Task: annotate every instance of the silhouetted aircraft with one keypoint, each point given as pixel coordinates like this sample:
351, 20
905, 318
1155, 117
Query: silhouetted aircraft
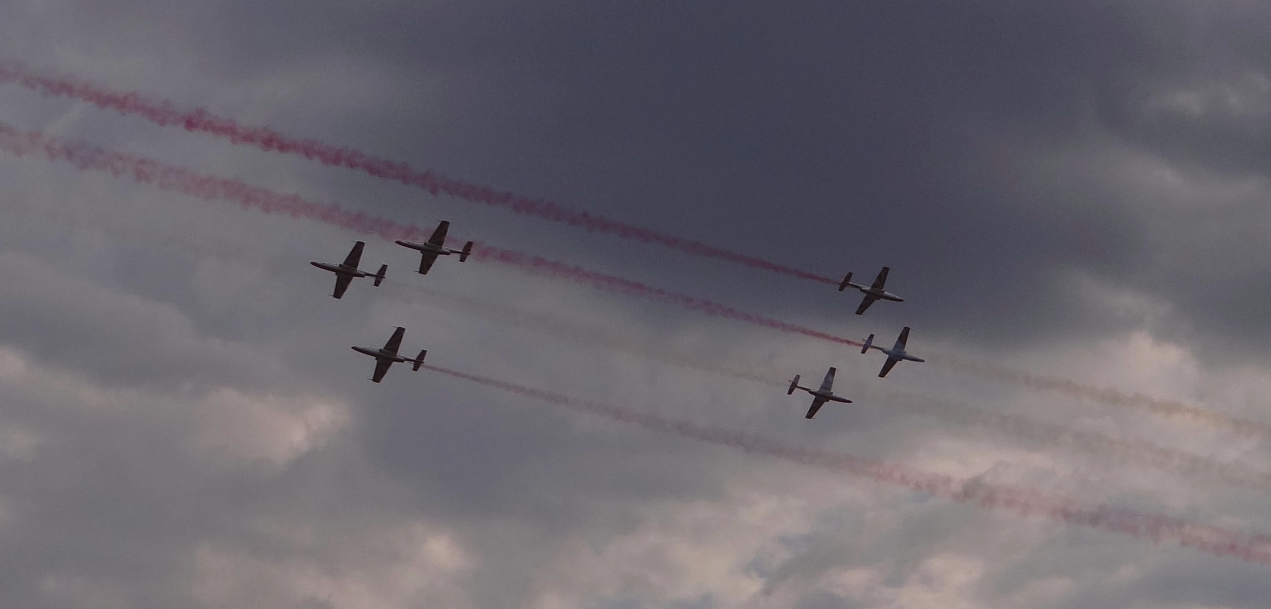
873, 292
388, 355
436, 246
819, 396
895, 354
347, 271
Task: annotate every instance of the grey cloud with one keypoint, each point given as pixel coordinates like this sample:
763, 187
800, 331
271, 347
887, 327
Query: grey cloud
124, 338
979, 149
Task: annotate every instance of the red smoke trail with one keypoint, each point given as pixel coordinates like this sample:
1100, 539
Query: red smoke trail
164, 112
1011, 499
1034, 433
176, 179
1030, 432
551, 268
1108, 395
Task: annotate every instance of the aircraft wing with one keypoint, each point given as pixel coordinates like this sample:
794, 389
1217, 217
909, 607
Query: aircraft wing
425, 262
355, 255
902, 339
887, 366
828, 383
395, 340
817, 403
868, 300
381, 368
342, 282
881, 279
439, 236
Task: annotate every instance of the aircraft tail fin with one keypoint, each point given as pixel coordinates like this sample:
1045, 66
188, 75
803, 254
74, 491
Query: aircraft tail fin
379, 277
467, 251
847, 279
794, 384
419, 361
869, 342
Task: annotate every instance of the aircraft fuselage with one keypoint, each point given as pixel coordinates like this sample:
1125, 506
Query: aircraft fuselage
381, 354
879, 294
341, 269
900, 354
440, 250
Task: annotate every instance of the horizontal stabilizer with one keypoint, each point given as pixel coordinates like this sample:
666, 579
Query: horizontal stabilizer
419, 361
379, 277
847, 280
869, 342
794, 384
467, 251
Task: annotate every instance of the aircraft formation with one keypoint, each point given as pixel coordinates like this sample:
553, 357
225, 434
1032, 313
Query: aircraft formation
435, 246
897, 353
348, 270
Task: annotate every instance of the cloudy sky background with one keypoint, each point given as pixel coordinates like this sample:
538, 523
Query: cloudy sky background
1074, 190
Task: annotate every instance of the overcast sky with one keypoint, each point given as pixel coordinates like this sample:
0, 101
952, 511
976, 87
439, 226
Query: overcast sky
1074, 191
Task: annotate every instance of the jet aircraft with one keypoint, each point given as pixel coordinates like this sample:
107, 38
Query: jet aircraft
347, 271
872, 292
895, 354
388, 355
436, 246
819, 396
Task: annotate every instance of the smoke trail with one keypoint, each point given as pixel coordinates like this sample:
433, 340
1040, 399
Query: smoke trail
1010, 499
417, 294
176, 179
550, 268
1034, 433
1108, 395
570, 330
165, 113
210, 188
1020, 429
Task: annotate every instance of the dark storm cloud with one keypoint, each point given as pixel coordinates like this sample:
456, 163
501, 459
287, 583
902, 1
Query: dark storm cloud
832, 136
1194, 89
836, 137
977, 148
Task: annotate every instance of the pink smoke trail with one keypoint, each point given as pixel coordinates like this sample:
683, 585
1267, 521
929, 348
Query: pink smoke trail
542, 266
164, 112
1010, 499
1035, 433
1108, 395
1030, 432
176, 179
